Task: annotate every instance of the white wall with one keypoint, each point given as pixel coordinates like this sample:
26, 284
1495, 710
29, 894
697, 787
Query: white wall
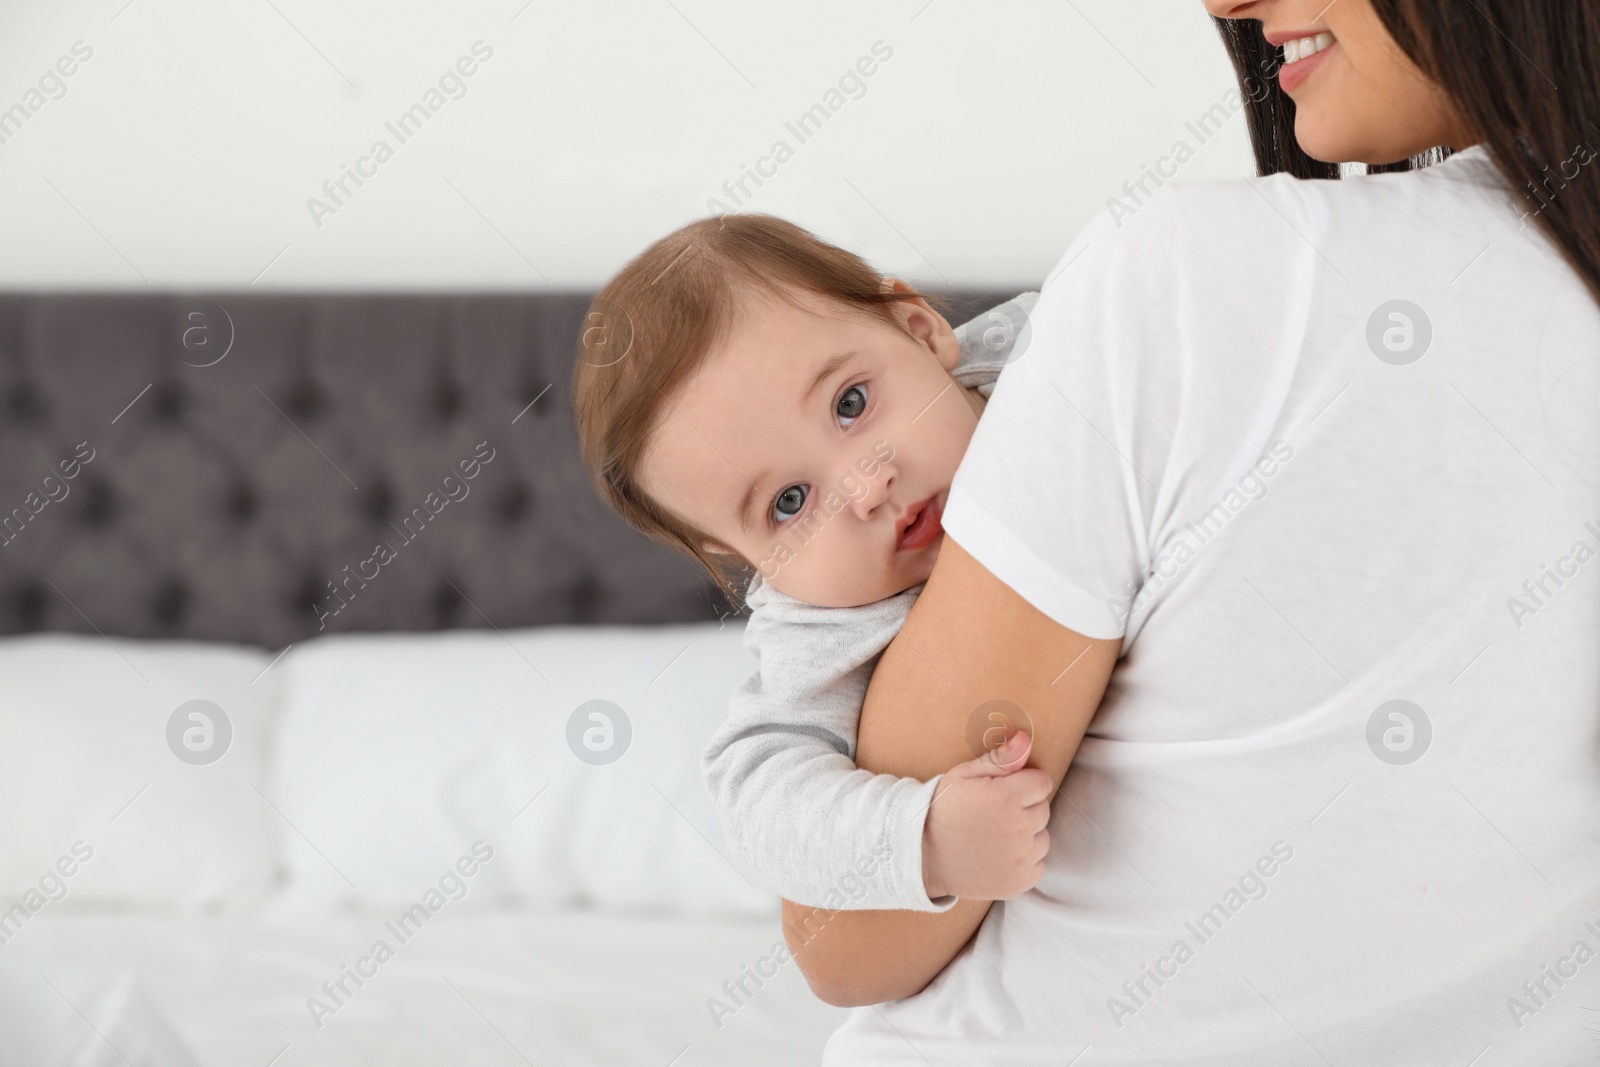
183, 152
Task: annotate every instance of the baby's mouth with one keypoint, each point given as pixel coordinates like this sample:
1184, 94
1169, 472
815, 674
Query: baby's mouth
924, 527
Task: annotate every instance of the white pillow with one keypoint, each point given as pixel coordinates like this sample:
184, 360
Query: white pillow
99, 807
400, 751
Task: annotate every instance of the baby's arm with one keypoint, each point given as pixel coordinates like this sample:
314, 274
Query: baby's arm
806, 823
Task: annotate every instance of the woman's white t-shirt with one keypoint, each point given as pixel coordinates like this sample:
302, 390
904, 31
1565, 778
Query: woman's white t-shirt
1327, 455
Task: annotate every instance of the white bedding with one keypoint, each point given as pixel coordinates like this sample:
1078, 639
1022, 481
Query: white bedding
151, 903
514, 986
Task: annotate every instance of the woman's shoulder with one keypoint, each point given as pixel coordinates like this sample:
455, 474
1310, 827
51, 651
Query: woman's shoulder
1209, 218
1256, 225
1196, 235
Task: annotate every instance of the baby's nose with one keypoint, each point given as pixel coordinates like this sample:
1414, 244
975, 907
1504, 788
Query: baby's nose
870, 493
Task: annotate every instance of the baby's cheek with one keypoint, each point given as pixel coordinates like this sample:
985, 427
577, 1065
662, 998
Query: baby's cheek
923, 567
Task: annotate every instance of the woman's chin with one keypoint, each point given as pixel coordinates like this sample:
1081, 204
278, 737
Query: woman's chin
1323, 140
1331, 138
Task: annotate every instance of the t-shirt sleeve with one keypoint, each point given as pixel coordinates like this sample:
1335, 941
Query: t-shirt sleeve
1154, 351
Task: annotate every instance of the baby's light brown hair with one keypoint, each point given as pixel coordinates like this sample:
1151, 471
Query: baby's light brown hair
652, 327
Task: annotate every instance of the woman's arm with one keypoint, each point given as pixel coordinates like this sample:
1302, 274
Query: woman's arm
969, 639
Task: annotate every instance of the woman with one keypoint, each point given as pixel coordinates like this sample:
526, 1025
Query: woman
1301, 476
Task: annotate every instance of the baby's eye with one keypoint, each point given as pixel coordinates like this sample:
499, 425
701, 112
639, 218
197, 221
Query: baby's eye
788, 504
852, 402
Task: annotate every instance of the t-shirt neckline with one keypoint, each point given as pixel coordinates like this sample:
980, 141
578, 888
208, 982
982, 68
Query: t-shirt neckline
1472, 151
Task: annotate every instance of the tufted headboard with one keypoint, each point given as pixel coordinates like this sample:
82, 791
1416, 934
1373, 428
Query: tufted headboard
262, 469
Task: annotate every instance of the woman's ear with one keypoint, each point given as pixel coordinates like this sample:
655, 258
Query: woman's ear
926, 325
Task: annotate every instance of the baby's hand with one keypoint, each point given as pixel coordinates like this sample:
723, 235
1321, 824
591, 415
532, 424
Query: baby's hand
985, 836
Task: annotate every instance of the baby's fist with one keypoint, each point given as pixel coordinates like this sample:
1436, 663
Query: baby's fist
985, 836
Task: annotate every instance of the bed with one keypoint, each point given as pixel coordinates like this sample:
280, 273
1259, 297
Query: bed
242, 747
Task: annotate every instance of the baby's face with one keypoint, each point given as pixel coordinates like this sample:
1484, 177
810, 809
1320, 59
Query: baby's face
810, 437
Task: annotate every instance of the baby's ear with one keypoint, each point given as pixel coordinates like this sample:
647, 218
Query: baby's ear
926, 325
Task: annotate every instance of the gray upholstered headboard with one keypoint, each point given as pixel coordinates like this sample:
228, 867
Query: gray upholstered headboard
225, 468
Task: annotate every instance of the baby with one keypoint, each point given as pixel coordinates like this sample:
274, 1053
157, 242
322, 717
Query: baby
758, 398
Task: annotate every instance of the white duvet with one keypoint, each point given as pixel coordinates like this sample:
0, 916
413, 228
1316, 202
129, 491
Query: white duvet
491, 987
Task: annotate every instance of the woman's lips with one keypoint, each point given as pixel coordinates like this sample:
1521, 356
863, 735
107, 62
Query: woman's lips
924, 529
1292, 75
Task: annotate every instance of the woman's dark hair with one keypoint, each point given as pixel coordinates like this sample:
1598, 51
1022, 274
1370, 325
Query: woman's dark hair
1498, 62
